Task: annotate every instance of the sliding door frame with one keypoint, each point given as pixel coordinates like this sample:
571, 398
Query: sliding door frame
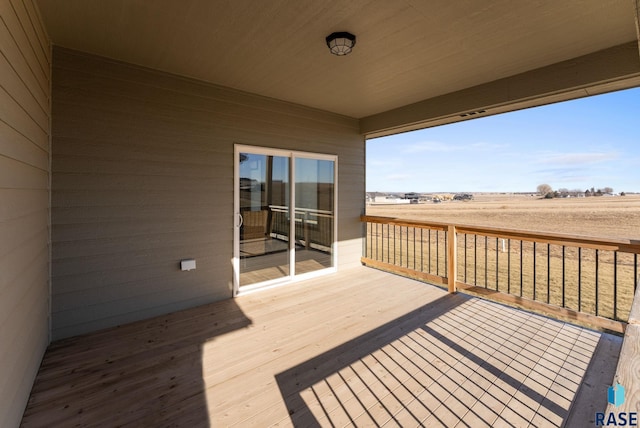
292, 155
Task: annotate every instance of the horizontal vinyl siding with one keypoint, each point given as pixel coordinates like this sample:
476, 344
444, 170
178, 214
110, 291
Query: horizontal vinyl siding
143, 177
25, 65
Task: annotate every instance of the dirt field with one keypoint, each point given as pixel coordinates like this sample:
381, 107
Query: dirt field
603, 217
552, 274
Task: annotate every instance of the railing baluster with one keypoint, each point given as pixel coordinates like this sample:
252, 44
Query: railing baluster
408, 255
452, 251
497, 263
370, 244
365, 244
388, 243
548, 273
521, 257
379, 251
382, 241
370, 228
563, 276
402, 252
486, 261
446, 253
400, 245
370, 233
408, 247
414, 248
429, 251
534, 270
615, 285
635, 273
579, 279
395, 239
475, 259
465, 257
596, 295
438, 252
509, 266
377, 241
421, 251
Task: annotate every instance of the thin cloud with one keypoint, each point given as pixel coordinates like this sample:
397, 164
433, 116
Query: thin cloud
384, 163
486, 147
575, 176
397, 177
440, 147
561, 171
431, 146
578, 158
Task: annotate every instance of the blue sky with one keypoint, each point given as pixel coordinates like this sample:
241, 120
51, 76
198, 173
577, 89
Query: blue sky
589, 142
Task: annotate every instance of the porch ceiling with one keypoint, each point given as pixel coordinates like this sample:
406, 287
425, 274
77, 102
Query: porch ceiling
407, 50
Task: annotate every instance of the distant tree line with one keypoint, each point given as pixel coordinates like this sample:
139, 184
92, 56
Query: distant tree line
546, 191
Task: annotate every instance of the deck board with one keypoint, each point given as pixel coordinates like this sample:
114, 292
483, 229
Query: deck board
357, 348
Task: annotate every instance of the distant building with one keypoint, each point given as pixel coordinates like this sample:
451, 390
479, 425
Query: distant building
412, 197
463, 197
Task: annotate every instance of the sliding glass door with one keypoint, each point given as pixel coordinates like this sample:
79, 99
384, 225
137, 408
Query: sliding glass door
285, 216
263, 218
314, 213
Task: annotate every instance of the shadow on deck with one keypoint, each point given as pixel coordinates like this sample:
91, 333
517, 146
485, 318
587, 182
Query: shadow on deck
457, 361
357, 348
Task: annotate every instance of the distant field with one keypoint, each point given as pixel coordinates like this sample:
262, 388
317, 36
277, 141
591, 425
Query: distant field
604, 217
551, 274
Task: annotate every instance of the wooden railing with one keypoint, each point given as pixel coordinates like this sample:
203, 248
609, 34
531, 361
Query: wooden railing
313, 228
628, 363
583, 279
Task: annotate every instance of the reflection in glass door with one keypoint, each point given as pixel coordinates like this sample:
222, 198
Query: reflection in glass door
314, 214
264, 217
269, 183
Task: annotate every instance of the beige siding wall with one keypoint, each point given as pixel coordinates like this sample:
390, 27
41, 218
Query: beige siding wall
143, 177
25, 69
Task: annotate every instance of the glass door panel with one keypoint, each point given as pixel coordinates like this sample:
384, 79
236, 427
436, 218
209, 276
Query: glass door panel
314, 214
273, 242
264, 218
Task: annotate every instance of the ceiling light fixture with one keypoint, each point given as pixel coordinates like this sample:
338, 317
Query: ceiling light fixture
341, 43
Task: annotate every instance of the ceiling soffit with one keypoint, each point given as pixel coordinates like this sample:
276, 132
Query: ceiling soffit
407, 51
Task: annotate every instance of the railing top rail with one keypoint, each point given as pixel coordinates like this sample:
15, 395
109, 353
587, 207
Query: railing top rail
622, 245
404, 222
301, 210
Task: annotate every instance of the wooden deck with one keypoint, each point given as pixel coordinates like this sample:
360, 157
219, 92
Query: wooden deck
356, 348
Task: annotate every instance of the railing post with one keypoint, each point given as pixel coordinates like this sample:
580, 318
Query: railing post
305, 229
452, 252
